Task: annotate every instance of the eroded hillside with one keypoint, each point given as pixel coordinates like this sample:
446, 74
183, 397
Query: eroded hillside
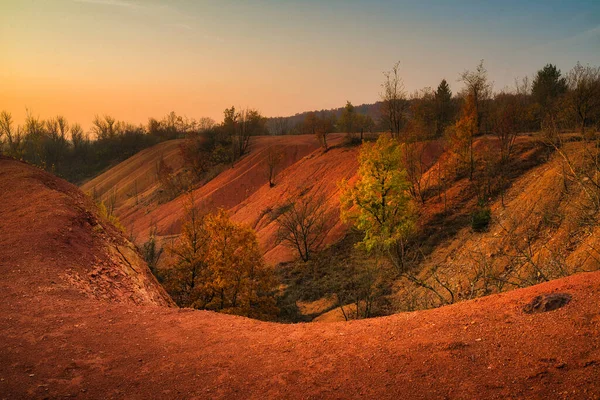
59, 339
538, 231
304, 169
53, 241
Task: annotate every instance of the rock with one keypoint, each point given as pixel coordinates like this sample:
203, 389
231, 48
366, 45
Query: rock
547, 302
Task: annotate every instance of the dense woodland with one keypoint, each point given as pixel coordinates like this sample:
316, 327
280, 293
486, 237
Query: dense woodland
388, 243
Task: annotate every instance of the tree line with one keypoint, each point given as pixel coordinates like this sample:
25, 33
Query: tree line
66, 150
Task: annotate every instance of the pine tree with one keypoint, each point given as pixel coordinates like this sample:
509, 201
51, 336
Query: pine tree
443, 102
548, 85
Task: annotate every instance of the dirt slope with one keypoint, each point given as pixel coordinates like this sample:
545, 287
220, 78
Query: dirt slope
53, 241
243, 190
58, 341
136, 175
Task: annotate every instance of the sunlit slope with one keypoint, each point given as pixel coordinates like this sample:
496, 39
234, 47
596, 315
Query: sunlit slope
134, 181
303, 169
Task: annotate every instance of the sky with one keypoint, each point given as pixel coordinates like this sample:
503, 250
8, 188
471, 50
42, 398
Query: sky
135, 59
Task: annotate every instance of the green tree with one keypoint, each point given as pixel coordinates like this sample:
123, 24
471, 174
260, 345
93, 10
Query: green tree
348, 118
548, 85
378, 202
443, 107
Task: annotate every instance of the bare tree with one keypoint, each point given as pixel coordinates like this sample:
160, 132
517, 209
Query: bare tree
110, 200
5, 127
478, 86
506, 122
584, 93
106, 127
311, 123
303, 225
325, 126
241, 126
414, 161
279, 126
394, 101
273, 160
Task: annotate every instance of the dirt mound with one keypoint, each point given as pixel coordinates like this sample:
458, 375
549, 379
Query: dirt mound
59, 342
53, 240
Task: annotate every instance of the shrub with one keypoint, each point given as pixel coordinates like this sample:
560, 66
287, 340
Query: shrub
480, 219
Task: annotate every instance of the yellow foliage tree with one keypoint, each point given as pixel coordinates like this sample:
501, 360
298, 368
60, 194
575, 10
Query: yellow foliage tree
379, 203
463, 133
218, 266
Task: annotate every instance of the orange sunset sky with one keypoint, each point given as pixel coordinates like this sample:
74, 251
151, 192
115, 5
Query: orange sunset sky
134, 59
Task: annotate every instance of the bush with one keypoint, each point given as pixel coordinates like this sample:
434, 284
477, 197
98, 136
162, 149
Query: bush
480, 219
351, 140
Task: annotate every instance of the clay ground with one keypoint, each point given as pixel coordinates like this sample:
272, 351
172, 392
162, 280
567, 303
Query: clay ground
106, 336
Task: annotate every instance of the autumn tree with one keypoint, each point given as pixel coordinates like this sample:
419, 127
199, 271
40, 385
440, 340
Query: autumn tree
463, 132
422, 123
241, 283
477, 90
378, 203
218, 266
393, 99
303, 225
188, 279
583, 99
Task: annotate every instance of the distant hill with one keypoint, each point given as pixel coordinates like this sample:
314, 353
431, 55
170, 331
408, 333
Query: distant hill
292, 124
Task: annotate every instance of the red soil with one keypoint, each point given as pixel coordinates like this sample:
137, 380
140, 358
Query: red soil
87, 338
243, 189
